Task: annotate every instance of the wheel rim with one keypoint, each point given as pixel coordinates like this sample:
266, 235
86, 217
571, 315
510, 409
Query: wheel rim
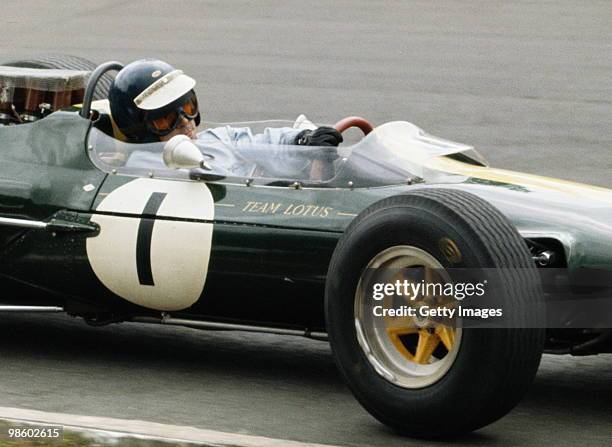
409, 352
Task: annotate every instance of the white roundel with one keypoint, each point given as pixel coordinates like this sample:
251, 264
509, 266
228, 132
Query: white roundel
148, 255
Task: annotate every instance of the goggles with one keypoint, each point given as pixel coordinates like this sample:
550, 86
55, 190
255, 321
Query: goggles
163, 123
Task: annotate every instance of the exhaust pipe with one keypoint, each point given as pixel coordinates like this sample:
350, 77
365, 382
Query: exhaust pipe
48, 309
215, 325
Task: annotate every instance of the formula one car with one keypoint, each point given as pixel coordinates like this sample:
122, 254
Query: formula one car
110, 231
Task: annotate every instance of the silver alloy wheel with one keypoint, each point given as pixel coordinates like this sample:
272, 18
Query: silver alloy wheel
433, 347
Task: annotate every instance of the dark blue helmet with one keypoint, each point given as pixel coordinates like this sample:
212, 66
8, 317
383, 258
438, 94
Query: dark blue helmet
145, 90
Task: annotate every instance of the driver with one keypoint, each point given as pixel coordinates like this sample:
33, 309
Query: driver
151, 101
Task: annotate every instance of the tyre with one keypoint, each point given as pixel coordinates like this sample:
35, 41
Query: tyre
439, 381
66, 62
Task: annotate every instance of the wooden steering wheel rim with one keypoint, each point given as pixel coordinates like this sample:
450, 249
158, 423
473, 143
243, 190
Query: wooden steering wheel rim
354, 121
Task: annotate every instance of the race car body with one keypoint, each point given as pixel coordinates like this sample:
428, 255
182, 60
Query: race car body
270, 241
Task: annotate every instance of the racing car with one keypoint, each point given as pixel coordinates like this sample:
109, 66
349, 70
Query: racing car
110, 231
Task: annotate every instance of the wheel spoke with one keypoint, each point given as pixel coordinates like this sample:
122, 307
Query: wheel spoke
428, 342
399, 345
447, 336
397, 326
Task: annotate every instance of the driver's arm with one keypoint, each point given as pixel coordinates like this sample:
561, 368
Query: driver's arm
320, 165
328, 138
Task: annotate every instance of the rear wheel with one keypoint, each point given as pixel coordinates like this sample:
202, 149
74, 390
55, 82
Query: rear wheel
67, 62
435, 381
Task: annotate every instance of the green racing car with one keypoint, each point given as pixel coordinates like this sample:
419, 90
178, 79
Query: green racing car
110, 231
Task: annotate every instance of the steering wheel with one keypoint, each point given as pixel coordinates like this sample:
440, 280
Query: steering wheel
354, 121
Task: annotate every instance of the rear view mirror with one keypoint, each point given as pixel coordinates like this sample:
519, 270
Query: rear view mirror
181, 153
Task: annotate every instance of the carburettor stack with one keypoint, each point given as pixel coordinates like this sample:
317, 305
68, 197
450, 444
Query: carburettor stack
28, 94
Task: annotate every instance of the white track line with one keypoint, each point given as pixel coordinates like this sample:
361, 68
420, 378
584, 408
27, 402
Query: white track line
154, 430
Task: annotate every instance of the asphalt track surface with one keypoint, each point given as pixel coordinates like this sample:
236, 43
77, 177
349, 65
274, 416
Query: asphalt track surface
528, 83
266, 385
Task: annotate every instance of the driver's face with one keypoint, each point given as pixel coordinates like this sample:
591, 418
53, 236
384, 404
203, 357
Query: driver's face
185, 127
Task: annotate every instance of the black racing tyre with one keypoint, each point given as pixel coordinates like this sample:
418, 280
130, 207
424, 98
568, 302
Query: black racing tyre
67, 62
479, 374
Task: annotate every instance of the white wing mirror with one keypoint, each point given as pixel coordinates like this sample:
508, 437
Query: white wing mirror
181, 153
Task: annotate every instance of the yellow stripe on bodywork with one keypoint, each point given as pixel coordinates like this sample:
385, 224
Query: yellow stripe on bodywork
451, 166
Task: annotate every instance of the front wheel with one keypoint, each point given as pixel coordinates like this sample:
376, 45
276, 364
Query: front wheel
432, 381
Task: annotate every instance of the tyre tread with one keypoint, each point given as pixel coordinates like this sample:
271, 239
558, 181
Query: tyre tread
67, 62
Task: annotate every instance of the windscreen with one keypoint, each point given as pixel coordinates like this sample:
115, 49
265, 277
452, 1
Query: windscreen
233, 155
263, 153
400, 152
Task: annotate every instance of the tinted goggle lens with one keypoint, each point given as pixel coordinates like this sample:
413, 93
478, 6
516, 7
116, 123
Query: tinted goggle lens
169, 121
165, 122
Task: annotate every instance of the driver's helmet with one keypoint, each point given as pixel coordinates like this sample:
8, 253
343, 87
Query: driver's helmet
148, 97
